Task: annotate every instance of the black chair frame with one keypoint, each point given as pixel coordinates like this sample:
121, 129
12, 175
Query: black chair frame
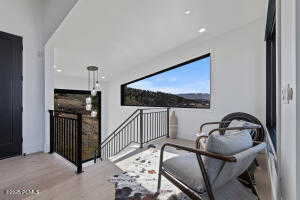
199, 153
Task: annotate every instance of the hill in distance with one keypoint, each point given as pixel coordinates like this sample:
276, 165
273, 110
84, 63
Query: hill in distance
195, 96
138, 97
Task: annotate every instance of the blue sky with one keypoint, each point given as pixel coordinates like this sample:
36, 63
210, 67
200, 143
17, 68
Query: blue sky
190, 78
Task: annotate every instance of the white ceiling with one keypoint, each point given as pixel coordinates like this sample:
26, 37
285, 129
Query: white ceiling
120, 34
54, 13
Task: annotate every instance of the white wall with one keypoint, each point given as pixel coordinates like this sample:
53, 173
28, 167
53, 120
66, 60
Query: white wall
289, 138
23, 18
69, 82
298, 92
238, 78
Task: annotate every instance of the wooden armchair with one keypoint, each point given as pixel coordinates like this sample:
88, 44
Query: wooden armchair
213, 174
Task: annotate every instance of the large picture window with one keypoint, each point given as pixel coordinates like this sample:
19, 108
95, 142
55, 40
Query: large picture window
186, 85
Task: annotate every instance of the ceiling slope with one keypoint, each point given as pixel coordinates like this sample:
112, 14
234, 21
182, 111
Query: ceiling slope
54, 12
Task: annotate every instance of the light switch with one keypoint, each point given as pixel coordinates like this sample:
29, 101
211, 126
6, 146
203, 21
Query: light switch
290, 93
287, 94
283, 95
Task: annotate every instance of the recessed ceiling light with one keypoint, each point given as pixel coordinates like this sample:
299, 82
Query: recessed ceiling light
202, 30
187, 12
59, 70
103, 77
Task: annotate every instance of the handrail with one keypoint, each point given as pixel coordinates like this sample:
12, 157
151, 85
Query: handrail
155, 108
115, 133
124, 122
140, 127
67, 112
67, 117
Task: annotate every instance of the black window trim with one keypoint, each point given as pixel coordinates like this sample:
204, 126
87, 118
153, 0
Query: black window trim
165, 70
271, 89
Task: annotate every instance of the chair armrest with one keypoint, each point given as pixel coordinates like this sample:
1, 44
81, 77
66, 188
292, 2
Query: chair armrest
198, 141
203, 135
222, 130
212, 123
199, 152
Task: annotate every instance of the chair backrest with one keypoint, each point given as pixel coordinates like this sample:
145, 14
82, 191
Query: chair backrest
260, 134
239, 144
252, 132
244, 124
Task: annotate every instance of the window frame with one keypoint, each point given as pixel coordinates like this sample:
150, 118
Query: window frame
271, 73
166, 70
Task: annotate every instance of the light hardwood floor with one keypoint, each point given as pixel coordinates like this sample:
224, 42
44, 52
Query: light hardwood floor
56, 179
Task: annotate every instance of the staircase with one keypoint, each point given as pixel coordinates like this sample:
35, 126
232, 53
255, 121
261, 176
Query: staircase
142, 126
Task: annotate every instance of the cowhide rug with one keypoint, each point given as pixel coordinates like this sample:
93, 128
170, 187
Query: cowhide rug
139, 178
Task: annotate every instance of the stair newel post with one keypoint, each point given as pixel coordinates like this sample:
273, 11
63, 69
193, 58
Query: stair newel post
99, 148
51, 131
168, 122
79, 143
141, 127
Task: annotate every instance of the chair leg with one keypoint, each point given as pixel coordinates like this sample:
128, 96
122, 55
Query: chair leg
252, 184
160, 169
256, 163
159, 182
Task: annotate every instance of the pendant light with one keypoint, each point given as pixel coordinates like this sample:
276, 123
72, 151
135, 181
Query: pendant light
93, 86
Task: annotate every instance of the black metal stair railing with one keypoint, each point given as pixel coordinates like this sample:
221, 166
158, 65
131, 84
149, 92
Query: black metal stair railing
66, 136
142, 126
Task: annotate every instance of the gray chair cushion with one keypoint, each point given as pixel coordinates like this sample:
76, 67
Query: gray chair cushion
226, 145
186, 169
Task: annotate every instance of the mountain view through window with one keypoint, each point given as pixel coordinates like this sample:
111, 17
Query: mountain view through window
186, 85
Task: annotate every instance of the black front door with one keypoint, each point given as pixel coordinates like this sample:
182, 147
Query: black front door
10, 95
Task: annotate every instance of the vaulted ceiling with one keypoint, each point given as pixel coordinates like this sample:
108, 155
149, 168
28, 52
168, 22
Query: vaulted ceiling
54, 13
121, 34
